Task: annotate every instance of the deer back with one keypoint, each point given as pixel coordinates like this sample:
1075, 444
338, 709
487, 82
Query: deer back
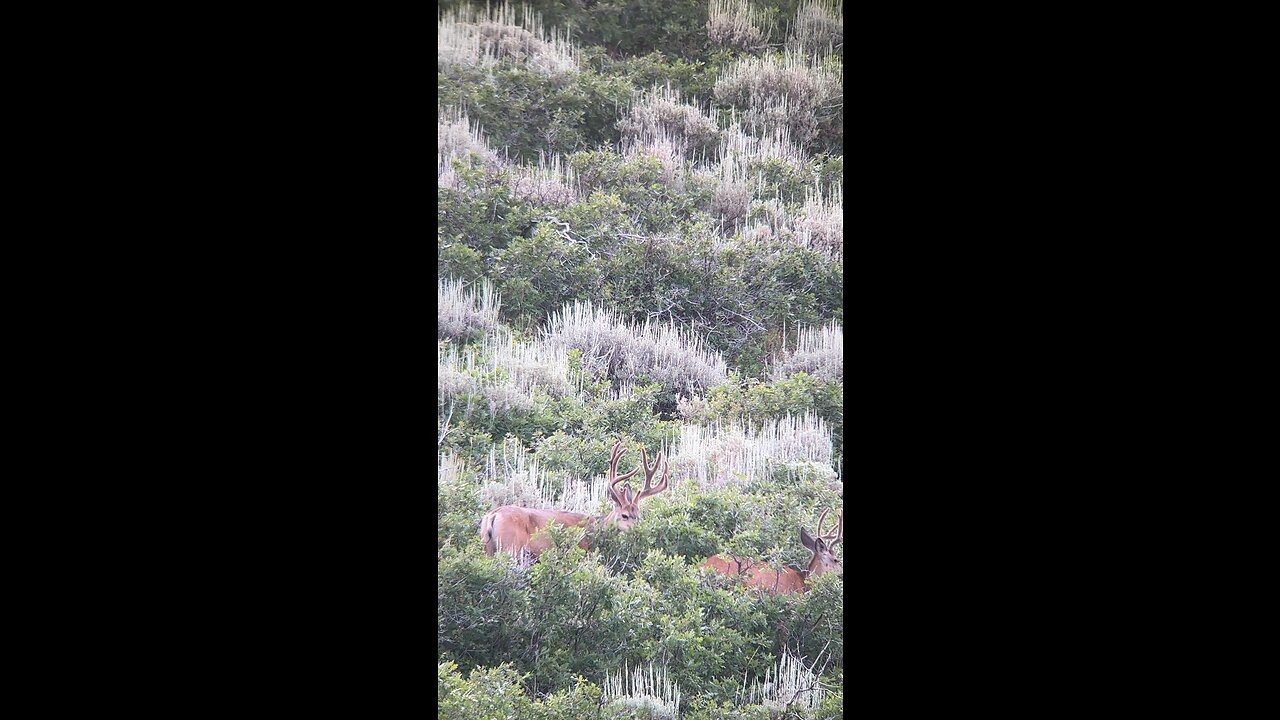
517, 530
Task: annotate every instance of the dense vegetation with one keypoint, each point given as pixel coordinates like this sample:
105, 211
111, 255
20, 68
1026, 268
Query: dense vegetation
640, 238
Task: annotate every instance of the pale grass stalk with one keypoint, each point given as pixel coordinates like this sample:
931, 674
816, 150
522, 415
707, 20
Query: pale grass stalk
790, 683
464, 309
818, 351
467, 37
736, 24
647, 690
627, 351
739, 453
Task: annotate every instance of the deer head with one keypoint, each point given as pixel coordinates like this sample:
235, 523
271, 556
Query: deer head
626, 504
823, 547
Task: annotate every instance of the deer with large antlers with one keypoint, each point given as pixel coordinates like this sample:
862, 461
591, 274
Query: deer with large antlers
789, 580
517, 530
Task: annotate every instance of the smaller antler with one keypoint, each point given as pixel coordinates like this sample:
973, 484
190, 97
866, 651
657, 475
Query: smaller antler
649, 472
833, 537
614, 477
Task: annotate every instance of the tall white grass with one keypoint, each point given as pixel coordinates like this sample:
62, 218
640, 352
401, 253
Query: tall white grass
626, 351
818, 351
731, 198
663, 112
528, 364
736, 24
736, 185
550, 182
662, 145
774, 144
648, 690
458, 137
820, 224
790, 683
465, 309
454, 371
507, 373
510, 478
513, 477
472, 38
661, 124
779, 89
724, 454
582, 496
818, 25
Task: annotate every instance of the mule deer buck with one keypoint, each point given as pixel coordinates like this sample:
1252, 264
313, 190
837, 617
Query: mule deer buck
789, 580
517, 530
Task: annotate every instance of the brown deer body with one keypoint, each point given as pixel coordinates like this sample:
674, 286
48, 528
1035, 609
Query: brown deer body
518, 530
787, 580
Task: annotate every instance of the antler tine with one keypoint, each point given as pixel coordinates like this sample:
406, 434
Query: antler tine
840, 528
614, 477
649, 472
821, 518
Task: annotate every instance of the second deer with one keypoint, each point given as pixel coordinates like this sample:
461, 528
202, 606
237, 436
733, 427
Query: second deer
789, 580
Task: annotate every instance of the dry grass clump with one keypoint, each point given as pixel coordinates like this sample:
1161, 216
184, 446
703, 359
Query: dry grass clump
819, 351
789, 684
649, 692
731, 198
548, 183
458, 138
774, 144
735, 24
781, 90
665, 148
514, 478
528, 365
470, 38
821, 222
465, 310
740, 453
502, 372
818, 26
454, 371
626, 351
817, 225
663, 124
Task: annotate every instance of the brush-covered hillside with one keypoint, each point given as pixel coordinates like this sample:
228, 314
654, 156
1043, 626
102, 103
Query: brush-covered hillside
640, 240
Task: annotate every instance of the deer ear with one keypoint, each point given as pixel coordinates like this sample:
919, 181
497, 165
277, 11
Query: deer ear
807, 540
629, 493
613, 496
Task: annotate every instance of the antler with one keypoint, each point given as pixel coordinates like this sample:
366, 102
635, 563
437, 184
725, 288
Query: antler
614, 478
649, 472
834, 537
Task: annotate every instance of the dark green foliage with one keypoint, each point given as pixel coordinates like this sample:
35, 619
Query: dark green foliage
635, 245
575, 614
754, 400
530, 113
639, 596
